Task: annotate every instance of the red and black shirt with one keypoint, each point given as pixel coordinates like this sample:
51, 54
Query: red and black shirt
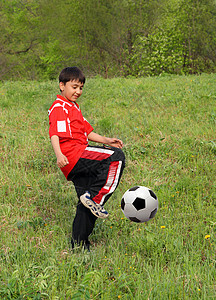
67, 122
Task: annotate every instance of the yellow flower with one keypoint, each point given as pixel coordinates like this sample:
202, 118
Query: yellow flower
119, 297
162, 227
207, 236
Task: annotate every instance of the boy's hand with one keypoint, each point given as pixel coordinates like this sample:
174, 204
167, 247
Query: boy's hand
62, 160
113, 142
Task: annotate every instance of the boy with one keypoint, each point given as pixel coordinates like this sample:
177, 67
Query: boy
95, 171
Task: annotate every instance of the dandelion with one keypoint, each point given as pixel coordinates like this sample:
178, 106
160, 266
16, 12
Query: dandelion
207, 236
119, 297
162, 227
111, 227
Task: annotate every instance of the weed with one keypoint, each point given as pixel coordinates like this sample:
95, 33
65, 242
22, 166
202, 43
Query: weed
167, 125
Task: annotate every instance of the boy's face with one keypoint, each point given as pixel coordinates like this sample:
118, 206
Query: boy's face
72, 90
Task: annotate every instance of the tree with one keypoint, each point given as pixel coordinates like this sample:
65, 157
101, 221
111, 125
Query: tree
109, 37
19, 35
184, 42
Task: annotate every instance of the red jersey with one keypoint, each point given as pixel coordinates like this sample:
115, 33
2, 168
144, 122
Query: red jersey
67, 122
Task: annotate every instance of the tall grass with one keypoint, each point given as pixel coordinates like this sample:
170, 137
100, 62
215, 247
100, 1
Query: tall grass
168, 128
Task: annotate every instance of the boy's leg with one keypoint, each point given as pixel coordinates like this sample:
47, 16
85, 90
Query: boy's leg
111, 163
83, 225
98, 171
84, 220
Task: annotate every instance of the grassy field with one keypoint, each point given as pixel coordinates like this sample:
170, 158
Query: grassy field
168, 126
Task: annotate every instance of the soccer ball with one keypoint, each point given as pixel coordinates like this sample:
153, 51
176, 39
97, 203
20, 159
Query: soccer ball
139, 204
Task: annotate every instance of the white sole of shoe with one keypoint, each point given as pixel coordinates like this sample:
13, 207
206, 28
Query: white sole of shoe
94, 207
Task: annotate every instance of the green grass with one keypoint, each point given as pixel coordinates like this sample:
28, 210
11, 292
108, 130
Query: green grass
168, 126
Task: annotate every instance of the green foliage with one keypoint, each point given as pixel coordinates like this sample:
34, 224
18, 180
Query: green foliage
178, 45
110, 38
159, 52
50, 60
20, 32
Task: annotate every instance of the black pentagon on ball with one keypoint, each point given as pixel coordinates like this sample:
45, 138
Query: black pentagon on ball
134, 219
122, 204
153, 194
153, 213
139, 203
133, 188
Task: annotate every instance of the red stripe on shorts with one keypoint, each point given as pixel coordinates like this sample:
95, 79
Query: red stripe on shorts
111, 182
96, 153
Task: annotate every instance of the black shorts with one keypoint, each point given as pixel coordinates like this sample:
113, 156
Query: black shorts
98, 171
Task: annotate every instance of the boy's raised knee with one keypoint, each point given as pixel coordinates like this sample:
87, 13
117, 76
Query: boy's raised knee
119, 155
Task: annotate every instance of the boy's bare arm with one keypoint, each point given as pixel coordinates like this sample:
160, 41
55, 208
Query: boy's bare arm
61, 158
114, 142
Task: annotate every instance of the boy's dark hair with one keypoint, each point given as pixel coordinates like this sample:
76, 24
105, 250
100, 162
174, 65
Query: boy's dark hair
70, 74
